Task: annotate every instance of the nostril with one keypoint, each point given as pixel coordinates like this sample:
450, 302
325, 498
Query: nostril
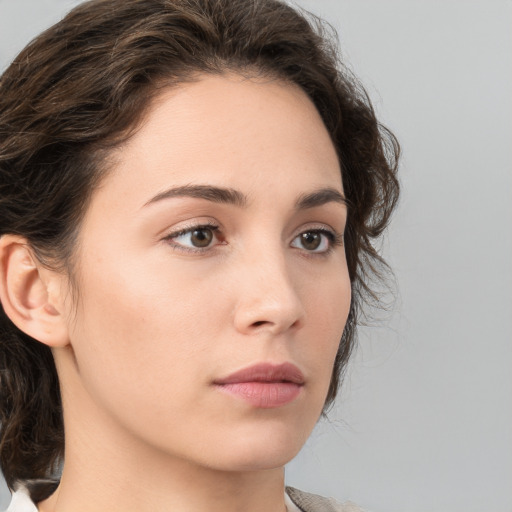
258, 323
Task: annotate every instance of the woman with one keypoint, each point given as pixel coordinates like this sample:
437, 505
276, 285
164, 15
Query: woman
190, 190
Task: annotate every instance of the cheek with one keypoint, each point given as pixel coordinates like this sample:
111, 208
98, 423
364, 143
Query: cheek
141, 338
327, 305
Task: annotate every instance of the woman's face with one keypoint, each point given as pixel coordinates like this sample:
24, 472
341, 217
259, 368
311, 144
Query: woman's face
214, 245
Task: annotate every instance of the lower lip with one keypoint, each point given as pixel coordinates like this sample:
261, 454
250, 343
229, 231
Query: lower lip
265, 395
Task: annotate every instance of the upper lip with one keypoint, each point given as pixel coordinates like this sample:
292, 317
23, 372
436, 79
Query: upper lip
265, 372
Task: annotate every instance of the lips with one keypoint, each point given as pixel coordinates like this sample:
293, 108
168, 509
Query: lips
264, 385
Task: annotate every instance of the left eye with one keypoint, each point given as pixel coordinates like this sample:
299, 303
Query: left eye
314, 240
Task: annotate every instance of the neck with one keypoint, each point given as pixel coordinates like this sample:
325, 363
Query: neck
177, 488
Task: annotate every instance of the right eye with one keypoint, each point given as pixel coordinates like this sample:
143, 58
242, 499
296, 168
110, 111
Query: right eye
195, 238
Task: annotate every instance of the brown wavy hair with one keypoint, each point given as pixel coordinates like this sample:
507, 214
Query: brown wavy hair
80, 89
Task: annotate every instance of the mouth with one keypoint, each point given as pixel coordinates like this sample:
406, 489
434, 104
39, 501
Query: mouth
264, 385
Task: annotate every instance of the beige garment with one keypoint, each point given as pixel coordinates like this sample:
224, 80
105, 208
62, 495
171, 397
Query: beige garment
313, 503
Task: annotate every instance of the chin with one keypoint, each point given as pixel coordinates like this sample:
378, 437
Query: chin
261, 460
261, 449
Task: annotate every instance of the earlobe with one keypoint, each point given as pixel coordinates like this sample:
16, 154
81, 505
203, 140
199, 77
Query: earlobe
25, 293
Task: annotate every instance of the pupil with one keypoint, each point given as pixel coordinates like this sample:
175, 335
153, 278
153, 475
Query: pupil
202, 237
311, 241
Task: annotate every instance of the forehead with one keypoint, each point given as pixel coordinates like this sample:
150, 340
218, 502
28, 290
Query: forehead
227, 129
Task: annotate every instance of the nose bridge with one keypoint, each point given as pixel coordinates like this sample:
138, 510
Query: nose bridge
268, 295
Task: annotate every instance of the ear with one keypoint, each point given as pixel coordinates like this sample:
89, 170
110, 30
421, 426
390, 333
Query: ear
31, 294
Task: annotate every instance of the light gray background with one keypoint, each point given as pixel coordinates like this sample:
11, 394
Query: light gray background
425, 419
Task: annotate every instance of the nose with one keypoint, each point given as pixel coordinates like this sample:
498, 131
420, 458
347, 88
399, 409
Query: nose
267, 298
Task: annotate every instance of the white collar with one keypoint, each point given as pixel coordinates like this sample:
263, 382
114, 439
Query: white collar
21, 502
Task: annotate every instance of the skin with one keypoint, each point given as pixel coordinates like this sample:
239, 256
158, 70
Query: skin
157, 322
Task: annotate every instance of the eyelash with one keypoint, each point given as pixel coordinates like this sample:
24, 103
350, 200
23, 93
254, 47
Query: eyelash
335, 239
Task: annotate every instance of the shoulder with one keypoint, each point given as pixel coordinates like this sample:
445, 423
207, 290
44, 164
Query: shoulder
308, 502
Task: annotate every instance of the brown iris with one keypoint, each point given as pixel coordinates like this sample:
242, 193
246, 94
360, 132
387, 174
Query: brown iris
311, 240
201, 237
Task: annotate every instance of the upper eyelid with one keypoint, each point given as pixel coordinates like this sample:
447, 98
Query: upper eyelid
335, 237
313, 226
214, 226
190, 227
184, 231
320, 226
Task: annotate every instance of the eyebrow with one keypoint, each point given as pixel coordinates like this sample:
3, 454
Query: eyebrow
235, 197
320, 197
208, 192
